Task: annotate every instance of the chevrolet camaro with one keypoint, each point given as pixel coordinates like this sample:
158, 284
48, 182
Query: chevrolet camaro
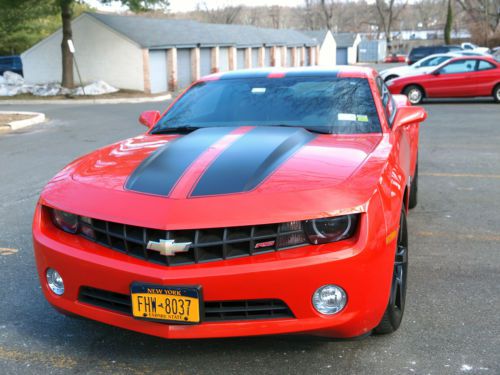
266, 201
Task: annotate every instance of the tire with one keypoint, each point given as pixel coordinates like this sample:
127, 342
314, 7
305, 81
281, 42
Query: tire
412, 201
396, 306
388, 78
496, 93
414, 93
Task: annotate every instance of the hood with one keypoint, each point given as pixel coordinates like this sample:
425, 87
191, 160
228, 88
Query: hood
423, 70
398, 70
270, 171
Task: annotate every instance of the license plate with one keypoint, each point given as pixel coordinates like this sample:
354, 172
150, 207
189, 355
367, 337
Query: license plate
175, 304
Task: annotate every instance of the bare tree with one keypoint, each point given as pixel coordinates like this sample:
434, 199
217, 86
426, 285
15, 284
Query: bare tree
483, 17
328, 7
275, 15
389, 11
225, 14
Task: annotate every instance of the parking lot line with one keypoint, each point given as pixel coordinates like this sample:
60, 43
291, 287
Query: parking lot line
470, 175
7, 251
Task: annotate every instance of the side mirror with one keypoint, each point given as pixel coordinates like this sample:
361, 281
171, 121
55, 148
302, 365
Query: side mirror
149, 118
408, 115
436, 72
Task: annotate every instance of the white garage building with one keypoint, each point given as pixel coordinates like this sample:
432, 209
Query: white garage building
327, 46
347, 47
155, 55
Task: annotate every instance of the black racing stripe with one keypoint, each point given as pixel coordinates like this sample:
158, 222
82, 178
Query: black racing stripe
159, 172
249, 160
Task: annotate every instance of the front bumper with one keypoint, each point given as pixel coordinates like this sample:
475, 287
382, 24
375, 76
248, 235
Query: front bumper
362, 266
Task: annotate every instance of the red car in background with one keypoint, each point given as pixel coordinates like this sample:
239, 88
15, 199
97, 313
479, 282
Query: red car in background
261, 202
460, 77
395, 58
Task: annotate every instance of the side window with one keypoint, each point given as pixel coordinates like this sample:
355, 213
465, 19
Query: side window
484, 65
460, 66
387, 101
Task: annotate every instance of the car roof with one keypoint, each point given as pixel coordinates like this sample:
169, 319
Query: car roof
278, 72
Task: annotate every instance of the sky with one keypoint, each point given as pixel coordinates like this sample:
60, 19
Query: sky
187, 5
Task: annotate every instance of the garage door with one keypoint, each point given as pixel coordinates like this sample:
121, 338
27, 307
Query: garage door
341, 56
158, 71
224, 59
267, 58
289, 56
255, 57
184, 67
240, 58
205, 61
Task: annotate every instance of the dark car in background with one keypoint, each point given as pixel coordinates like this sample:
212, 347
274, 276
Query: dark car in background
11, 64
418, 53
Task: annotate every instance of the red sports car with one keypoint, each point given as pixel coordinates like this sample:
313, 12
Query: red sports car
261, 202
460, 77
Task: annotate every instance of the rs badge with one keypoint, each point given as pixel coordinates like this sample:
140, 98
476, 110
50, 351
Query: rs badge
168, 247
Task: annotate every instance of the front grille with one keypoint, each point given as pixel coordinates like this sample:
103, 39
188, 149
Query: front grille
214, 311
206, 244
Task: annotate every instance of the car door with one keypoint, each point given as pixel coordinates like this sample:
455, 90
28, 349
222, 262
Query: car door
453, 79
484, 77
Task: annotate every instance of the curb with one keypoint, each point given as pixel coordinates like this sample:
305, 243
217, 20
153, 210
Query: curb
15, 125
89, 101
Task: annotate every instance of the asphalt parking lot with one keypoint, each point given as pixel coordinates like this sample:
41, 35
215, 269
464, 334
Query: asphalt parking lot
452, 322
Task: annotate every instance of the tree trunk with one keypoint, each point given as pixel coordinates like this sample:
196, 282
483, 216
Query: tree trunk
67, 56
449, 24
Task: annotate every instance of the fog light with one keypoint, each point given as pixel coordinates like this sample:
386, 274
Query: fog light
329, 299
55, 281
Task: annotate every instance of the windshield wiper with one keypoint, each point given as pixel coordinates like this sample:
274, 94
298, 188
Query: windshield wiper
183, 129
312, 130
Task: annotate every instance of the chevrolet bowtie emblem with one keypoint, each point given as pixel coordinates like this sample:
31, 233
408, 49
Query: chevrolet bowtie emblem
168, 247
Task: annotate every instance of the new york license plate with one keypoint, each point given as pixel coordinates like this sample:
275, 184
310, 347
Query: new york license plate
175, 304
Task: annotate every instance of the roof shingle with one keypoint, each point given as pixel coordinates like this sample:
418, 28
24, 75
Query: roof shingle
164, 33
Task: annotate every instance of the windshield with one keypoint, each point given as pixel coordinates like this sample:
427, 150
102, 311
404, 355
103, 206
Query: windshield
319, 104
432, 61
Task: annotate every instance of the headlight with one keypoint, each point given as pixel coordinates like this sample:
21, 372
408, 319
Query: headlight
331, 229
65, 221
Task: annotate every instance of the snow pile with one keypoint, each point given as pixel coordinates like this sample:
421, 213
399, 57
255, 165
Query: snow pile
12, 84
95, 88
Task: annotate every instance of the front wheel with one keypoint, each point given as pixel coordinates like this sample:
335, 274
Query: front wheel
395, 308
414, 94
496, 93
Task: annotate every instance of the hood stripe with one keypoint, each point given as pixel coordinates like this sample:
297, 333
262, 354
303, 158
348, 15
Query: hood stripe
249, 160
159, 173
190, 178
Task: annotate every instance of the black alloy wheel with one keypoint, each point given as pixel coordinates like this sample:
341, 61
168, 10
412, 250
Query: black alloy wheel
395, 308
